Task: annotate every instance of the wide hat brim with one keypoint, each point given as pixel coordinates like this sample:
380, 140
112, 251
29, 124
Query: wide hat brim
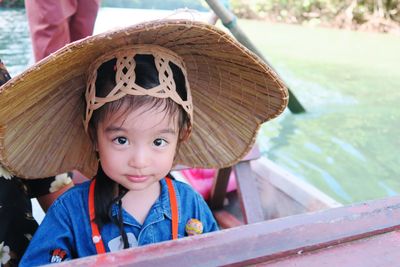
233, 91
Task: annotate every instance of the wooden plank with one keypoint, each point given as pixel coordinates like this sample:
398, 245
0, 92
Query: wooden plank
226, 219
248, 193
276, 203
378, 250
220, 184
268, 240
219, 187
300, 191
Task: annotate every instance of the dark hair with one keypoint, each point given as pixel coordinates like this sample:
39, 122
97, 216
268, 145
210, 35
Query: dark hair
146, 77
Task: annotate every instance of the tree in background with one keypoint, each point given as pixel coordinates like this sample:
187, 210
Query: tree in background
381, 15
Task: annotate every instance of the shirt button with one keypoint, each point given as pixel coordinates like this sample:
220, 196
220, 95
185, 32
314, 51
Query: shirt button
96, 239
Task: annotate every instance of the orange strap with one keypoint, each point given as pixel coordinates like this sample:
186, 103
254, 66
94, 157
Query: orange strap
174, 208
96, 237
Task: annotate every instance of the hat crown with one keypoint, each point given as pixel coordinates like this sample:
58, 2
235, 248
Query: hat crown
125, 78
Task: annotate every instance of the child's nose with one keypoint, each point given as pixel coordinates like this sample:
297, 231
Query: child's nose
139, 158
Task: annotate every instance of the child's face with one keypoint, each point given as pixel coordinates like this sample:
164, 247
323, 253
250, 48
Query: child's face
137, 149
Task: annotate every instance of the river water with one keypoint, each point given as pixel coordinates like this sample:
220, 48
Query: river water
348, 141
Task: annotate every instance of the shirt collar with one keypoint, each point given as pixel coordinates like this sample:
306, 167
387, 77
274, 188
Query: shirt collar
160, 207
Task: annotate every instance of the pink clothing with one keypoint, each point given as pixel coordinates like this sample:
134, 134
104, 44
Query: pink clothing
202, 180
55, 23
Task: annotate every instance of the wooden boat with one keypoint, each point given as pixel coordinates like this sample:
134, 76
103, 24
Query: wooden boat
302, 227
283, 222
265, 191
365, 234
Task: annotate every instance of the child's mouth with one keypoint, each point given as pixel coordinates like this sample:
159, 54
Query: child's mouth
137, 178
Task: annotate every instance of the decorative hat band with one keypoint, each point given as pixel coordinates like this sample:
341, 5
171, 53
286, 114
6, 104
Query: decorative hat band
125, 78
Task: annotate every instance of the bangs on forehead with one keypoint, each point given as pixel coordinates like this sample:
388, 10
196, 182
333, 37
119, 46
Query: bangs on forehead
130, 103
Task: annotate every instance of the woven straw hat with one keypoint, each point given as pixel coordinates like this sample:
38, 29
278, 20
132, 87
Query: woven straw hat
233, 93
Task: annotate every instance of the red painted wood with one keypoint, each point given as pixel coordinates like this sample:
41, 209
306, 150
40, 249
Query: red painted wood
274, 240
226, 219
378, 250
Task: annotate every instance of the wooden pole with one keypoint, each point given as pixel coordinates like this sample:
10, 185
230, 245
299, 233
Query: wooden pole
229, 21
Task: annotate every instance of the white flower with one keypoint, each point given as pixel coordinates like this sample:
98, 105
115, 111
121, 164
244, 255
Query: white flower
60, 181
4, 173
4, 253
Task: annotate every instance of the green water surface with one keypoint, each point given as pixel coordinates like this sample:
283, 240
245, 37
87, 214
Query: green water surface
347, 143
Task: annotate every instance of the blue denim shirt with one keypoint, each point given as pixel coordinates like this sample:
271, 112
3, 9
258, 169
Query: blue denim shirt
66, 225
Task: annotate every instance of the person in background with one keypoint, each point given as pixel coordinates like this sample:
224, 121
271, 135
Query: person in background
54, 24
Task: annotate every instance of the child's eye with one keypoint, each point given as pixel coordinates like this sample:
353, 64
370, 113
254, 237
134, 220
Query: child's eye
120, 140
160, 142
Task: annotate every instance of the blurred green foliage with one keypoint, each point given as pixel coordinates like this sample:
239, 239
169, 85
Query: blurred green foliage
297, 11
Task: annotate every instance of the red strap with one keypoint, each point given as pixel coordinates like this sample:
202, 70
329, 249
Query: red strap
96, 237
174, 208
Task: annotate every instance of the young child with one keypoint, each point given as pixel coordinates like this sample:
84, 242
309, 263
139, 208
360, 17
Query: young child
157, 94
136, 136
